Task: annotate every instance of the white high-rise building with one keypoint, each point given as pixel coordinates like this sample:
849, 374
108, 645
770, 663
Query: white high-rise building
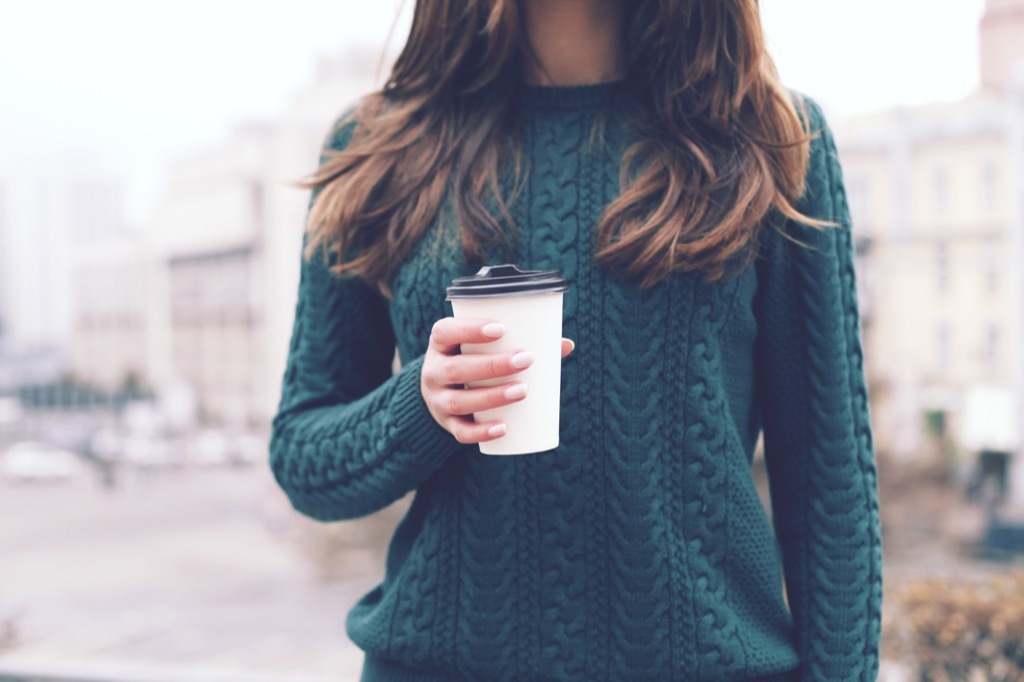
5, 283
208, 228
206, 296
118, 313
227, 230
47, 207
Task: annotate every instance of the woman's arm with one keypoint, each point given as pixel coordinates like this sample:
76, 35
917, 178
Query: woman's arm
817, 431
349, 438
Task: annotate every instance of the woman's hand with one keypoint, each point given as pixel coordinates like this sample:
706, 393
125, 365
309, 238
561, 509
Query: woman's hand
446, 371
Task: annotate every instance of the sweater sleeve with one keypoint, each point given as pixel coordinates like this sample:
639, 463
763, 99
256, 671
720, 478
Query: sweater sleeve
349, 437
817, 434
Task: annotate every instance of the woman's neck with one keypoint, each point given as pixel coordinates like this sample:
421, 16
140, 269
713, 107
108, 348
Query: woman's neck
572, 42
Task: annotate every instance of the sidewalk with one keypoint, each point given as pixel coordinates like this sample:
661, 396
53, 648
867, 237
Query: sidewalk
178, 578
14, 669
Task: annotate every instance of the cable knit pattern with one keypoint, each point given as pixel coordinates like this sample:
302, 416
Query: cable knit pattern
556, 226
599, 183
638, 550
817, 433
707, 486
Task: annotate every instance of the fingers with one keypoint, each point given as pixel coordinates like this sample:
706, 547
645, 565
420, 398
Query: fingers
446, 371
458, 406
466, 431
449, 332
456, 370
464, 402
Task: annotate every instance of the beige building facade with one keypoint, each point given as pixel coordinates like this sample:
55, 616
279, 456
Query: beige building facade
115, 324
204, 300
1002, 50
937, 195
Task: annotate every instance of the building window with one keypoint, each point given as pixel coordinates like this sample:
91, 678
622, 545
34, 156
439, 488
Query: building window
940, 190
992, 264
943, 345
942, 266
992, 346
989, 186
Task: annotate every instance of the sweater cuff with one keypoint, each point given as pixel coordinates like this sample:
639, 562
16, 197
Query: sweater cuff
416, 430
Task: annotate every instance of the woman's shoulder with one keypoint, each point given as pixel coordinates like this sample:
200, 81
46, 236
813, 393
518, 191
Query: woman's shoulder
340, 132
823, 161
356, 115
811, 113
822, 197
344, 126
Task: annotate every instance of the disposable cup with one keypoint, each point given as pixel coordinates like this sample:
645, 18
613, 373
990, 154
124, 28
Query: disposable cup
529, 304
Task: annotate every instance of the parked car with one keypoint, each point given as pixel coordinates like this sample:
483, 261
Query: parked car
247, 449
106, 445
210, 448
30, 461
149, 451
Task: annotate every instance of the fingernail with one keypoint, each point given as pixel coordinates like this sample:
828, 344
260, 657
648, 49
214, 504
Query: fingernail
572, 345
515, 391
522, 360
493, 329
497, 431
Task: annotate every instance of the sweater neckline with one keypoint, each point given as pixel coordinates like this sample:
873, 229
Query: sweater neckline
569, 97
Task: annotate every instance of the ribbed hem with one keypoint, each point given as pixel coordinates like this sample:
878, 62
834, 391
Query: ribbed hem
419, 433
573, 97
790, 676
381, 670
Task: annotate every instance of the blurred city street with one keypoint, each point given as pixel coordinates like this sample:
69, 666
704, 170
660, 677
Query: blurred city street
150, 240
207, 574
182, 570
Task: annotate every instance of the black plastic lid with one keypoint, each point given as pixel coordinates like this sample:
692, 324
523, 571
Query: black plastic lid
506, 280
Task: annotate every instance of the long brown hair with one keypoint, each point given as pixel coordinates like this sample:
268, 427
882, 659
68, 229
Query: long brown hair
720, 143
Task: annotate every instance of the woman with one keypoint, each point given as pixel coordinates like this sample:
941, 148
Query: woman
648, 152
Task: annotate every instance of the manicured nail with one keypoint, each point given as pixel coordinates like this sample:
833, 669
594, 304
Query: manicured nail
497, 431
522, 360
572, 345
515, 391
493, 329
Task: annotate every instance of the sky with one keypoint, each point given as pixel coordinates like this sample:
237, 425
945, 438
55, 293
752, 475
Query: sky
135, 83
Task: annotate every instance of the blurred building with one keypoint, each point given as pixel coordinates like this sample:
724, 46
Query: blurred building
227, 235
5, 284
47, 208
3, 249
937, 197
1002, 51
205, 298
336, 86
117, 319
209, 230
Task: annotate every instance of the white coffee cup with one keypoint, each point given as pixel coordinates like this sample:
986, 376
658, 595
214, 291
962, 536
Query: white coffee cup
529, 304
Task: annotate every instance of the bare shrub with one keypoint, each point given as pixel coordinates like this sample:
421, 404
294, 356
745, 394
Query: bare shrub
961, 629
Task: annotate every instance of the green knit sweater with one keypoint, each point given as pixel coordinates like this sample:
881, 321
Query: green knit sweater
639, 549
